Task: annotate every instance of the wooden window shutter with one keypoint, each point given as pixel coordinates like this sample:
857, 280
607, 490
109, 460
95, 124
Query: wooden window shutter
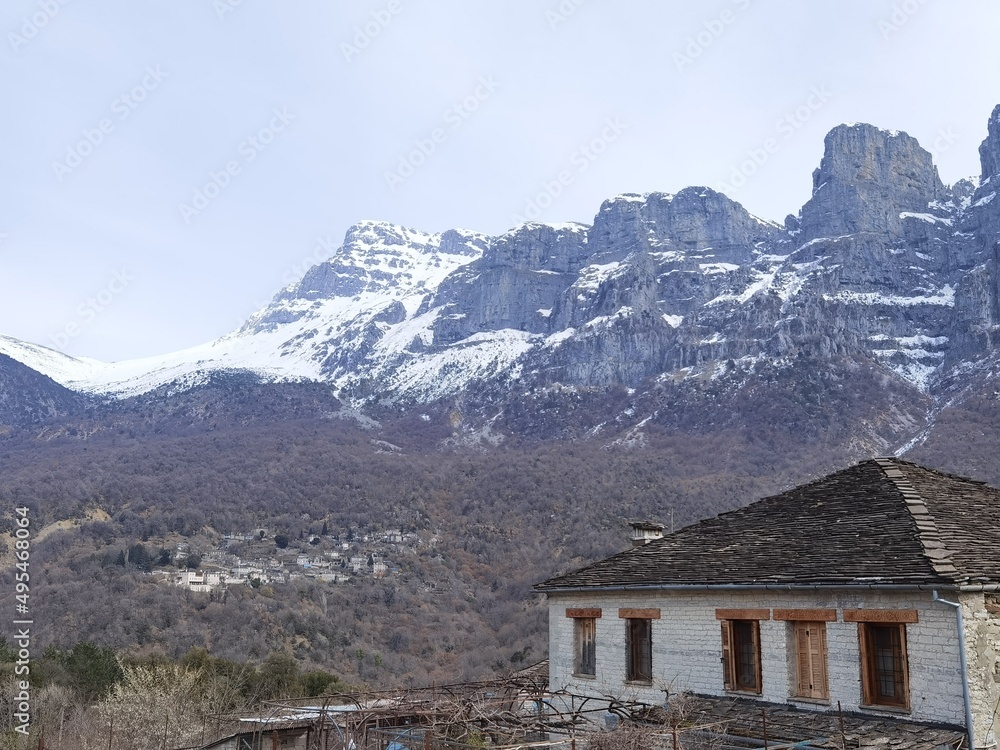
819, 657
811, 660
728, 666
902, 677
868, 691
646, 649
803, 661
755, 635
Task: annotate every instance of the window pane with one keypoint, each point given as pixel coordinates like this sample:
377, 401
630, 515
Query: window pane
586, 642
746, 655
887, 665
888, 661
639, 648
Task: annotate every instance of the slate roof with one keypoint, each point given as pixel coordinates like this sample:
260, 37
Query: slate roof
717, 717
788, 725
880, 522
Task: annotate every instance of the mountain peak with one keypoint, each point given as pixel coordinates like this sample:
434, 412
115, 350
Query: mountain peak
989, 151
690, 220
869, 176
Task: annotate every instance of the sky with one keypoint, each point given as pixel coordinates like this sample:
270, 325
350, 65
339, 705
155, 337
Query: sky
169, 165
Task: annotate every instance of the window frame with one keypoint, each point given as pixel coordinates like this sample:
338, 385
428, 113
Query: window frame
871, 662
578, 614
734, 653
637, 613
585, 647
639, 650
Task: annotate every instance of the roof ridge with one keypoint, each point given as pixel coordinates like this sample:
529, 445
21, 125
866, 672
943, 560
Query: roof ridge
935, 550
938, 472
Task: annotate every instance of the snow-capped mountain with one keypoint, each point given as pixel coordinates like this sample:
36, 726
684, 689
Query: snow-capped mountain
381, 273
884, 265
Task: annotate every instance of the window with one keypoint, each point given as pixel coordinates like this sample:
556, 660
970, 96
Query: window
585, 646
584, 639
741, 655
884, 677
639, 650
639, 642
810, 660
882, 641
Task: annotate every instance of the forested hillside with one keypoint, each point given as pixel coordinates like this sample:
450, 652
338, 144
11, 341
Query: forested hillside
491, 518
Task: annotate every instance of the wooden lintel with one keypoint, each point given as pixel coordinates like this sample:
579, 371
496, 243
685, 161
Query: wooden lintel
880, 615
806, 615
627, 613
583, 612
742, 614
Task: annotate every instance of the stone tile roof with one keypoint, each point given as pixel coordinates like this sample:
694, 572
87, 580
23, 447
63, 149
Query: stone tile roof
725, 718
715, 718
880, 522
536, 676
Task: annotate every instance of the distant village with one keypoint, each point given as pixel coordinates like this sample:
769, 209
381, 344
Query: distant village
257, 558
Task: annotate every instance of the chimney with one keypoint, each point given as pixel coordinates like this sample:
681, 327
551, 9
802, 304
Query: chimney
644, 532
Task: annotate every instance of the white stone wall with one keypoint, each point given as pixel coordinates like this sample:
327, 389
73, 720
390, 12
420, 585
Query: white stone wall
687, 647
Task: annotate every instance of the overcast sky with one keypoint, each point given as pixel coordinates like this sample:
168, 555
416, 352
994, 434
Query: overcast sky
170, 164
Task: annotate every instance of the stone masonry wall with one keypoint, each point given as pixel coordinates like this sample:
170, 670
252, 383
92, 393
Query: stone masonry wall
982, 637
687, 647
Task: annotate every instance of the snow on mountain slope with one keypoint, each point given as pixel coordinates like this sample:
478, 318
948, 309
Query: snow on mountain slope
58, 366
260, 354
447, 371
381, 274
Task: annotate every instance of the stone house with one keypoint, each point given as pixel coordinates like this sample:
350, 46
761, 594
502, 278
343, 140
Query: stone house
198, 580
279, 734
875, 589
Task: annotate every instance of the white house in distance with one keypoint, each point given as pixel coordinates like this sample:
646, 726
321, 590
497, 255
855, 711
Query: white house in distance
198, 580
876, 588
